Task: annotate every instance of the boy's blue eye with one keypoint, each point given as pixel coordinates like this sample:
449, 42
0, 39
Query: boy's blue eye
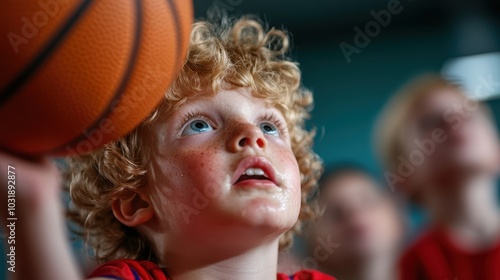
269, 128
196, 127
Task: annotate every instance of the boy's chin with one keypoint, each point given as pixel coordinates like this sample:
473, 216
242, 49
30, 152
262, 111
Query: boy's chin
241, 226
261, 213
266, 212
469, 160
259, 230
467, 167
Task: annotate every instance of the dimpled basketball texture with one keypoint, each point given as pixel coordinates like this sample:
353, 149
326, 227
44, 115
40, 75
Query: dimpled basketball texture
78, 74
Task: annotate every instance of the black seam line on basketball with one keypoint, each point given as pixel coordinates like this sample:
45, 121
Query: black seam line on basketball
180, 44
124, 82
44, 54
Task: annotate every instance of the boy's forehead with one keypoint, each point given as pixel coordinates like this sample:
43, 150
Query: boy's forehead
350, 186
449, 99
436, 101
237, 98
444, 96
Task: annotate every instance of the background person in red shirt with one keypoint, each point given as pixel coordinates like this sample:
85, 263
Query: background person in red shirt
363, 219
442, 150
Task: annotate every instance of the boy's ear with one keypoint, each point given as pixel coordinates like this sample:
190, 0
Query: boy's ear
133, 209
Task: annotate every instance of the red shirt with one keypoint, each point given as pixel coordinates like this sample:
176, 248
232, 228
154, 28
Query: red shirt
435, 257
146, 270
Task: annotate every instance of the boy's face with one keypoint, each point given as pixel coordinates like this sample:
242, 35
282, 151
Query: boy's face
470, 138
358, 217
225, 168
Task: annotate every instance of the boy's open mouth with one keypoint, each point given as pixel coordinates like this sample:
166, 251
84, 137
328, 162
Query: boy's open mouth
253, 174
255, 171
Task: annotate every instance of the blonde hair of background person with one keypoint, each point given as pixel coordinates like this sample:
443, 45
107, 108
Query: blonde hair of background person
441, 149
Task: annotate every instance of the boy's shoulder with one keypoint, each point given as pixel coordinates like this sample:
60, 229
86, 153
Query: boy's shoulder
435, 241
130, 269
146, 270
433, 253
426, 240
424, 249
306, 275
424, 255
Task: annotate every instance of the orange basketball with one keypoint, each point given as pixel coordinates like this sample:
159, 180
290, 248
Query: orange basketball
77, 74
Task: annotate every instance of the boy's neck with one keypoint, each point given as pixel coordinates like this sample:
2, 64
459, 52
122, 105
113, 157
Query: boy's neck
470, 213
256, 264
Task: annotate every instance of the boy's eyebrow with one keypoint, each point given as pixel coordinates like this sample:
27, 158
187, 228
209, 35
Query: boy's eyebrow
193, 104
197, 99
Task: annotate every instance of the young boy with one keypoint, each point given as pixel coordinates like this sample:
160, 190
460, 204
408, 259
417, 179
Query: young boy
208, 187
442, 150
363, 220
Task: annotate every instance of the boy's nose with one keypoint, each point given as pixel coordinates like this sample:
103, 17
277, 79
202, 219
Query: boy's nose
247, 136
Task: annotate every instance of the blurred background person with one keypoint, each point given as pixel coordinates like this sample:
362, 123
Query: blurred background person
362, 219
442, 150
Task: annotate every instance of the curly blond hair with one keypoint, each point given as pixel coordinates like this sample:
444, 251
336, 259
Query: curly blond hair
393, 119
231, 55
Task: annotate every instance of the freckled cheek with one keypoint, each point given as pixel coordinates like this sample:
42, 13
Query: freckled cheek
297, 188
198, 162
291, 174
285, 159
191, 177
201, 168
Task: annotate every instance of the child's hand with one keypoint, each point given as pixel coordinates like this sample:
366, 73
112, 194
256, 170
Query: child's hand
31, 183
34, 213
